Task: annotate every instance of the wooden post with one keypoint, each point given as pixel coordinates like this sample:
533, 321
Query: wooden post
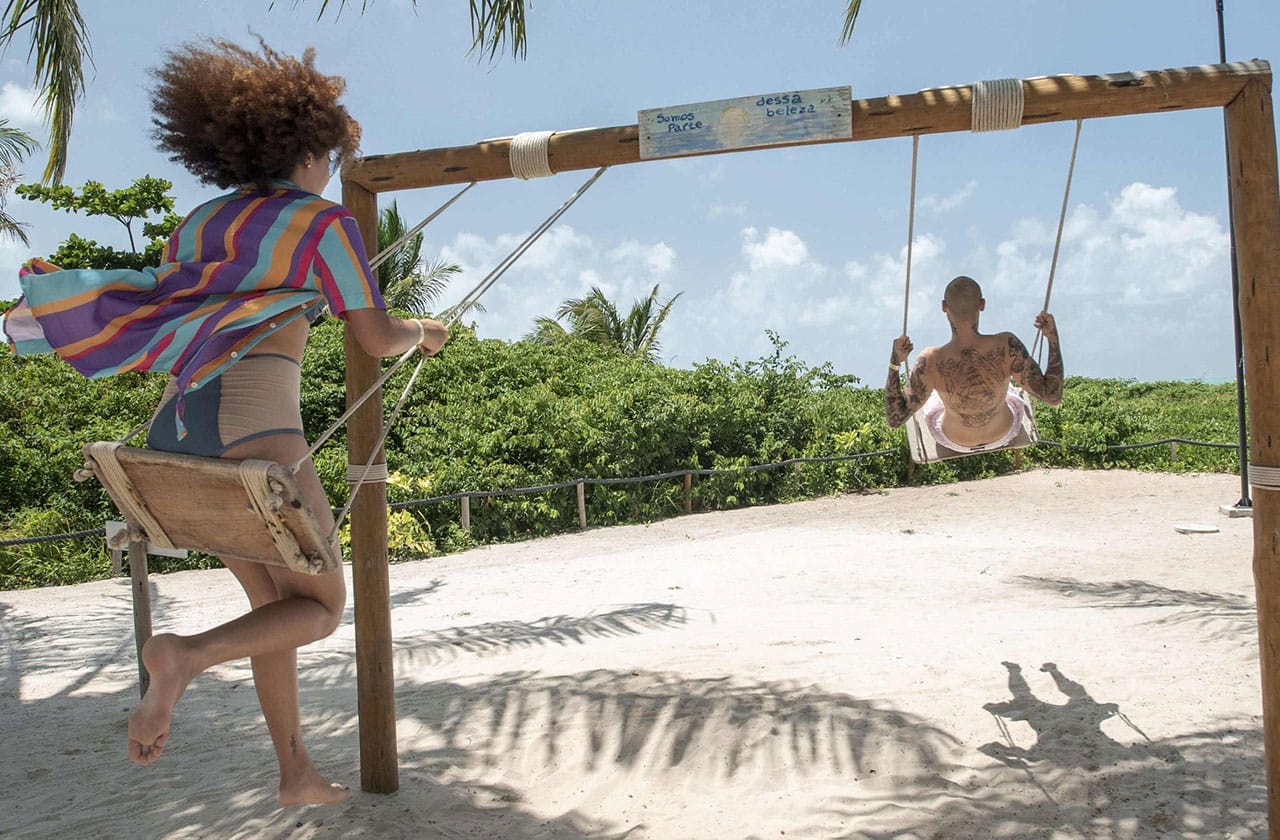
375, 680
688, 491
911, 470
1251, 151
464, 515
1017, 459
1173, 450
141, 585
117, 562
582, 505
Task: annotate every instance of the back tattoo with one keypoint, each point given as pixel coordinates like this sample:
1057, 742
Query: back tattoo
977, 383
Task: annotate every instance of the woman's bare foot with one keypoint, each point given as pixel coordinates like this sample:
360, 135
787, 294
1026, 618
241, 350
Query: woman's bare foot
310, 788
149, 724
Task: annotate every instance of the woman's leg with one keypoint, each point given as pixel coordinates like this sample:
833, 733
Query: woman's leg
289, 610
275, 677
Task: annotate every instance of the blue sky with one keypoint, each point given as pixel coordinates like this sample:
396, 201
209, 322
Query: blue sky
806, 242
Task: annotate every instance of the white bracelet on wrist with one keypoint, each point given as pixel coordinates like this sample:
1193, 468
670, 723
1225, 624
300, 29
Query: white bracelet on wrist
422, 332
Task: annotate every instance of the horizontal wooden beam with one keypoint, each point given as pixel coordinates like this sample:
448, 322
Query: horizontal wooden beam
933, 111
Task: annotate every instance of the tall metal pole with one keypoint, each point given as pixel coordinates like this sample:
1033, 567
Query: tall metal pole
1245, 502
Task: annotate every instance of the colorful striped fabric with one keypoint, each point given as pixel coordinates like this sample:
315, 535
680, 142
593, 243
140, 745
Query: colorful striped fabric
236, 268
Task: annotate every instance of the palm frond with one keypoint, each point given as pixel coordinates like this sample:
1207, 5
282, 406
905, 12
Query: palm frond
547, 331
493, 23
850, 19
59, 50
15, 144
649, 346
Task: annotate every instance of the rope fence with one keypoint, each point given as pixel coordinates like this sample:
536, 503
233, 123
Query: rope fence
688, 475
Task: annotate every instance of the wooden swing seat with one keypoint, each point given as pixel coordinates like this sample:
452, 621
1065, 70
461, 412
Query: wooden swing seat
251, 510
925, 448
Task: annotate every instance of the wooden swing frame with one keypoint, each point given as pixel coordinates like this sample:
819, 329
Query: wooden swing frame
1241, 89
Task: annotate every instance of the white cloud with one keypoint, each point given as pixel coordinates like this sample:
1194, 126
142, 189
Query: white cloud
659, 258
1138, 273
12, 255
947, 203
19, 105
563, 264
717, 211
778, 249
1143, 247
882, 284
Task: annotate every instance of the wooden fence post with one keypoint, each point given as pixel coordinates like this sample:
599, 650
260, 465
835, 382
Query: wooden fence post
688, 491
582, 505
464, 515
1173, 450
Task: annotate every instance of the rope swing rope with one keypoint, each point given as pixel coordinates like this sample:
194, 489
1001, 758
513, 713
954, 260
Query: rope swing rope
997, 105
360, 475
911, 229
388, 251
1057, 240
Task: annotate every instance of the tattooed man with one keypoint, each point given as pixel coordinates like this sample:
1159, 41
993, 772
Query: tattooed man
963, 385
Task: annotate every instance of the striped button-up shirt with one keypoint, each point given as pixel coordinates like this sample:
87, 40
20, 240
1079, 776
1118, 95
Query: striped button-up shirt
236, 268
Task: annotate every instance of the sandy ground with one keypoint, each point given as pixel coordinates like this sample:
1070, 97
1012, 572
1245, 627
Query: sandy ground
1034, 656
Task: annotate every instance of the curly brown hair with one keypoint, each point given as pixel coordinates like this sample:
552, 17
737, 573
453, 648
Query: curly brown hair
234, 117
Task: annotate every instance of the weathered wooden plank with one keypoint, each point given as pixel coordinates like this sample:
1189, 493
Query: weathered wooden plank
938, 110
789, 118
219, 520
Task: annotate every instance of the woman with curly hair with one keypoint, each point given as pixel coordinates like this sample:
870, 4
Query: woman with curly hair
226, 315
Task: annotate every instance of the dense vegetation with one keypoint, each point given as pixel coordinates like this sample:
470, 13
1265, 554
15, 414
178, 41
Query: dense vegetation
491, 414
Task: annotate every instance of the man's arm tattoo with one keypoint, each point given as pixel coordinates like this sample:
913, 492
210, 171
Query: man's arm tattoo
898, 406
1046, 384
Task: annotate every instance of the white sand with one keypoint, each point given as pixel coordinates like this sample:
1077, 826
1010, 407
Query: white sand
824, 669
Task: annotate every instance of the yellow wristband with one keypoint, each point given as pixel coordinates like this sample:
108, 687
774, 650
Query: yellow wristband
422, 332
893, 366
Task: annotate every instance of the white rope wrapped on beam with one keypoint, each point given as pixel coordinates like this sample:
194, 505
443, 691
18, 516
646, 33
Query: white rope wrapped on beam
1264, 478
366, 473
528, 155
997, 105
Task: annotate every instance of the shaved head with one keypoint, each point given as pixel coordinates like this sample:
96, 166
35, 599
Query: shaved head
963, 297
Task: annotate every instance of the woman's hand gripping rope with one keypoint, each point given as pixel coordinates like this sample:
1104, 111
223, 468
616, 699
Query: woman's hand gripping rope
432, 335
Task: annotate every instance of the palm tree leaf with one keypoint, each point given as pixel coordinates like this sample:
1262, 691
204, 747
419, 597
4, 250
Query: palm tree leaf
493, 23
850, 18
547, 331
649, 349
59, 49
15, 144
10, 226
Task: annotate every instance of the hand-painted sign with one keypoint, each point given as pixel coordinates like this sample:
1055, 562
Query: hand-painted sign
773, 119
